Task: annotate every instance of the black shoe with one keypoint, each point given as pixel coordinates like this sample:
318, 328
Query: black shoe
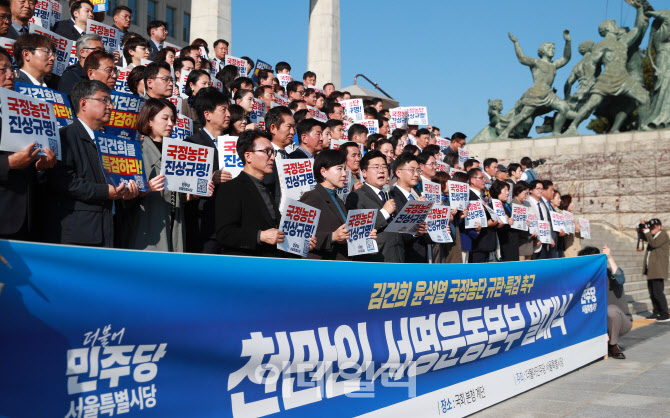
663, 318
653, 316
615, 352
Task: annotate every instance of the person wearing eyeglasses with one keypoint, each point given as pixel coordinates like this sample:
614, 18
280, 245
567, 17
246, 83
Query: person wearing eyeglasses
484, 245
158, 32
75, 73
295, 91
75, 27
158, 81
428, 167
100, 66
5, 18
80, 200
22, 11
122, 17
35, 56
134, 50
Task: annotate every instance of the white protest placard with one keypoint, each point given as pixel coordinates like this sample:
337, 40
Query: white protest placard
100, 5
491, 212
510, 196
56, 13
316, 89
298, 223
432, 190
345, 126
295, 178
569, 222
176, 101
228, 158
544, 233
111, 37
187, 167
412, 214
532, 219
181, 83
372, 125
353, 109
343, 192
438, 224
122, 81
337, 143
557, 221
519, 216
26, 120
284, 79
475, 214
453, 171
442, 143
398, 118
360, 223
183, 128
441, 167
463, 156
167, 44
217, 84
240, 63
417, 115
458, 195
42, 15
317, 114
585, 227
258, 112
280, 101
145, 62
63, 48
499, 209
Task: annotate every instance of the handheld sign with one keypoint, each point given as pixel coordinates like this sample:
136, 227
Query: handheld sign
544, 233
453, 171
123, 120
56, 13
432, 191
414, 213
295, 178
299, 223
360, 223
177, 102
519, 215
442, 143
398, 118
336, 143
569, 222
353, 109
258, 112
240, 63
99, 5
280, 101
58, 100
177, 48
122, 81
442, 167
557, 221
183, 128
417, 115
458, 195
228, 158
121, 160
317, 114
343, 192
42, 15
63, 48
260, 65
315, 88
26, 120
217, 84
372, 125
187, 167
510, 196
585, 228
532, 218
8, 44
284, 79
111, 37
181, 83
499, 210
463, 156
438, 224
475, 214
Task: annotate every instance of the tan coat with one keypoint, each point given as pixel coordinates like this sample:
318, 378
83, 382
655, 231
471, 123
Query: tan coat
658, 250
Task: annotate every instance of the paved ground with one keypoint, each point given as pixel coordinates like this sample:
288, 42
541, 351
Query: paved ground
635, 387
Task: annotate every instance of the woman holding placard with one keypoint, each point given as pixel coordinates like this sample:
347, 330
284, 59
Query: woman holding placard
520, 192
507, 237
572, 242
560, 242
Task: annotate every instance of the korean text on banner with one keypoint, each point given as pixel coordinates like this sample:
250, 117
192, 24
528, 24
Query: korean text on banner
56, 13
372, 125
280, 101
187, 167
569, 222
413, 214
111, 37
557, 221
42, 15
499, 209
121, 160
122, 81
532, 220
181, 83
59, 101
585, 228
398, 118
353, 109
360, 223
417, 115
8, 44
63, 47
258, 112
463, 156
343, 192
475, 215
240, 63
217, 84
228, 158
26, 120
544, 232
520, 216
298, 223
317, 114
525, 323
260, 65
431, 190
123, 120
438, 224
100, 5
183, 128
176, 101
453, 171
284, 79
295, 178
458, 195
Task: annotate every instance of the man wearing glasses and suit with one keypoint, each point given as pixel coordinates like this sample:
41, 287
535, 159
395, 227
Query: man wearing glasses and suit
35, 56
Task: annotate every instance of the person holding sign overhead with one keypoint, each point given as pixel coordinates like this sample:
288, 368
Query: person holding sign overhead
80, 198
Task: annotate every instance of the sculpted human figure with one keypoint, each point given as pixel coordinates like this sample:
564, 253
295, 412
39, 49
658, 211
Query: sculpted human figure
584, 72
659, 38
540, 98
614, 80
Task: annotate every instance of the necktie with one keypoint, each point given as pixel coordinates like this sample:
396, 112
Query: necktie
539, 209
411, 197
282, 153
24, 30
382, 195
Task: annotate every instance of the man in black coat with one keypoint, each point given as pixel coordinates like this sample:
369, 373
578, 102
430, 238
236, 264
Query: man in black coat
310, 133
75, 73
35, 55
212, 109
157, 31
80, 199
21, 14
485, 244
73, 28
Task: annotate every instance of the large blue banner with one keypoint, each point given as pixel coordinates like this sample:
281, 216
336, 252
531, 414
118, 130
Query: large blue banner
96, 332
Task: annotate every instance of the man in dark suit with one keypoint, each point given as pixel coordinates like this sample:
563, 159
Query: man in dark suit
122, 17
247, 217
21, 11
35, 56
211, 107
18, 175
157, 31
75, 73
485, 244
407, 172
5, 18
310, 133
73, 28
280, 125
80, 198
373, 196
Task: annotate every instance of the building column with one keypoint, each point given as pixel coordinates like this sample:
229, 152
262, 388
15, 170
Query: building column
323, 50
211, 20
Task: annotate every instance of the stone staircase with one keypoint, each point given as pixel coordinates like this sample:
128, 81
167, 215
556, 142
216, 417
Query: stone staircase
630, 261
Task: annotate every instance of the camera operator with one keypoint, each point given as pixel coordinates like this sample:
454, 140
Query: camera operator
640, 236
655, 267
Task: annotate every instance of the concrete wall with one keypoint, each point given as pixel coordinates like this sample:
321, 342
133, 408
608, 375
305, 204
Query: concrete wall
615, 180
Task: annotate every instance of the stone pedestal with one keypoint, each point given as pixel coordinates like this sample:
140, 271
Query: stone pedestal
615, 180
323, 49
211, 20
